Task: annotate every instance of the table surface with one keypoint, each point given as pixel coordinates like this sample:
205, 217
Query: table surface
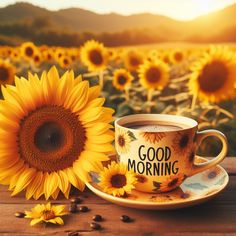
215, 217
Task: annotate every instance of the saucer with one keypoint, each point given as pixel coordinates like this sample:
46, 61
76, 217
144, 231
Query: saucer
194, 190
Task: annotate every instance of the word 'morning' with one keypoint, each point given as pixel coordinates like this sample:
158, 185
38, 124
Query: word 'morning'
153, 168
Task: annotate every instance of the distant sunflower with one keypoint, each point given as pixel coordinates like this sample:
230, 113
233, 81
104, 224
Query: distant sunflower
133, 59
94, 55
154, 74
37, 59
166, 58
15, 55
214, 75
7, 72
65, 61
177, 56
48, 55
46, 213
58, 53
53, 131
117, 180
28, 50
122, 79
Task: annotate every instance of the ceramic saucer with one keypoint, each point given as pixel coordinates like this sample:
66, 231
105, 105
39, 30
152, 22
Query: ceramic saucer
194, 190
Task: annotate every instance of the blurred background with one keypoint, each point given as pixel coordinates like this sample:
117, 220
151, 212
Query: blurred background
117, 23
174, 56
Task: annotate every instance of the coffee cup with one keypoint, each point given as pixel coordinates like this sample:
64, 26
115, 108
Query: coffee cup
161, 149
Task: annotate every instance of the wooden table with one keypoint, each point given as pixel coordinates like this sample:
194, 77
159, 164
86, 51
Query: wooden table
216, 217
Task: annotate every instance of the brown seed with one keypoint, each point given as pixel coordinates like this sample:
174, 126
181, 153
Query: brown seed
73, 234
125, 218
95, 226
73, 208
97, 218
83, 209
76, 200
20, 214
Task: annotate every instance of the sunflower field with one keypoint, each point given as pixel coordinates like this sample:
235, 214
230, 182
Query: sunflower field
197, 82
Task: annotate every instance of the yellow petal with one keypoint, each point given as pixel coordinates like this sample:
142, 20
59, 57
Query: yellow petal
50, 184
94, 92
37, 181
74, 180
24, 180
63, 181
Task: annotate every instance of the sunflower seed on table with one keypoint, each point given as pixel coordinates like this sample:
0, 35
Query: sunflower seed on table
83, 209
20, 214
95, 226
125, 218
73, 208
76, 200
97, 218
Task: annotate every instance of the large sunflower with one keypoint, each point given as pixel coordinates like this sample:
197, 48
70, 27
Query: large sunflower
7, 72
214, 75
94, 55
53, 131
122, 79
154, 74
28, 50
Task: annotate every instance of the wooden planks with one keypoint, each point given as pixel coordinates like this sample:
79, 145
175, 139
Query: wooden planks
216, 217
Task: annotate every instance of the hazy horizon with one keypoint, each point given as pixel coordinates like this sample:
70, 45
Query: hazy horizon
186, 10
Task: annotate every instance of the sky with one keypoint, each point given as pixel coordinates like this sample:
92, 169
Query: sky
176, 9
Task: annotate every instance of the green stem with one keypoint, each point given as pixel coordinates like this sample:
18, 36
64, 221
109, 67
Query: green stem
127, 98
149, 99
101, 79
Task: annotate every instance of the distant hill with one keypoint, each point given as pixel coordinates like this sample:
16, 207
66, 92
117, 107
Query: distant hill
211, 27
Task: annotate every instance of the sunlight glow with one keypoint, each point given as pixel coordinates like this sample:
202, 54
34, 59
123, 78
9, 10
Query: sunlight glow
176, 9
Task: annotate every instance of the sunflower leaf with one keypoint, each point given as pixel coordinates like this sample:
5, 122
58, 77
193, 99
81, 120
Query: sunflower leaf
132, 136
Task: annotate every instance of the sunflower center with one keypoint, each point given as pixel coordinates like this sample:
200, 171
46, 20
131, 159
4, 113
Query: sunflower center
153, 75
51, 138
178, 56
121, 141
134, 61
36, 58
3, 73
122, 80
66, 62
173, 182
213, 77
184, 141
48, 214
118, 181
29, 51
95, 57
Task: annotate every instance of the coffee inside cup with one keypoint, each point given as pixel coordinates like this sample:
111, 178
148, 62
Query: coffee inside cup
154, 126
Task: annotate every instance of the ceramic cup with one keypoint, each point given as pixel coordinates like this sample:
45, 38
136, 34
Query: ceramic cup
162, 157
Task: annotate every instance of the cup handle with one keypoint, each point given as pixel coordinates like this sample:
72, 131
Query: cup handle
199, 167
